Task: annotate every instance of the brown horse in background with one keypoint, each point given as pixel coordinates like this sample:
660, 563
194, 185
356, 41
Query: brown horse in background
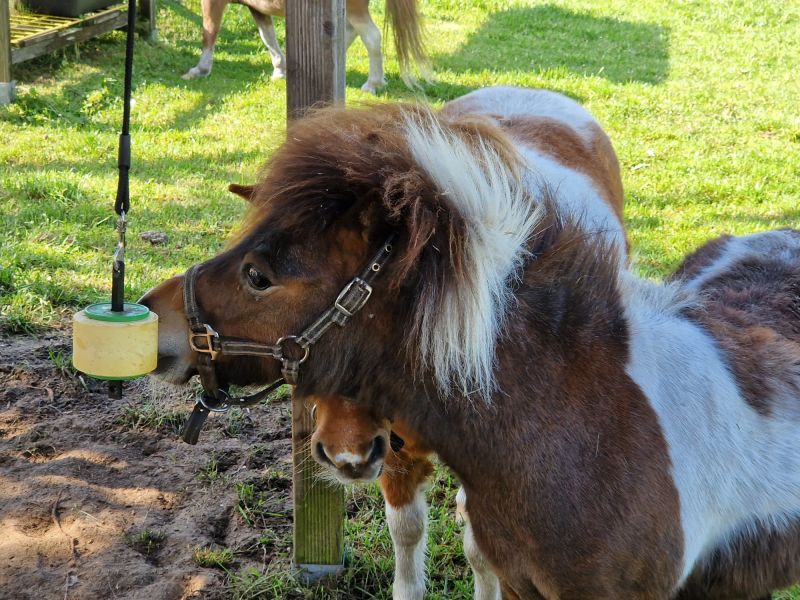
402, 15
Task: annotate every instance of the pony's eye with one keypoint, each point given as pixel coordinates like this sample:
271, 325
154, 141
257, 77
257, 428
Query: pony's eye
256, 278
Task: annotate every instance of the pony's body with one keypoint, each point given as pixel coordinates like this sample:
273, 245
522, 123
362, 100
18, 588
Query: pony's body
737, 470
600, 458
552, 134
401, 13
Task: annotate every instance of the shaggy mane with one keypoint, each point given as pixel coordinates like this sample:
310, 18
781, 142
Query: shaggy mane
452, 191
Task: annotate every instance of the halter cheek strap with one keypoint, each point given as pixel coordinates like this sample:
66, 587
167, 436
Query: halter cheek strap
290, 350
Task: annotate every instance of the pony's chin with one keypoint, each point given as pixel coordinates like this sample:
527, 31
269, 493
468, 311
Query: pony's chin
369, 477
172, 370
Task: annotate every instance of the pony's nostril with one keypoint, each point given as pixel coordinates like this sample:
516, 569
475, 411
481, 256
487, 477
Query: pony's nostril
378, 450
322, 456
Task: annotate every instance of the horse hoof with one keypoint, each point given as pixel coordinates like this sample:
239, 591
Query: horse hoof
278, 74
372, 87
195, 73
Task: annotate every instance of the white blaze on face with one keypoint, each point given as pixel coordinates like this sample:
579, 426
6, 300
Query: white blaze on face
350, 458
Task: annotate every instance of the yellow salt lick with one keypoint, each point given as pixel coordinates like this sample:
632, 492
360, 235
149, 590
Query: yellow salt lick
115, 345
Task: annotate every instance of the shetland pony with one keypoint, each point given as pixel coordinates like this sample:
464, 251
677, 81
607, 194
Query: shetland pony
615, 438
559, 144
353, 444
401, 14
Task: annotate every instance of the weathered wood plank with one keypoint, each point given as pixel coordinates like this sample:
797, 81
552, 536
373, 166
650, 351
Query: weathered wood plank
315, 52
67, 37
6, 83
147, 10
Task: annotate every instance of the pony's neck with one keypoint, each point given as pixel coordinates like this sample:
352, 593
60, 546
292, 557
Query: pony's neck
564, 343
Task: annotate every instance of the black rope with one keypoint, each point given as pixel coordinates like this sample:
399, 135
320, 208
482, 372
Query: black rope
124, 157
123, 202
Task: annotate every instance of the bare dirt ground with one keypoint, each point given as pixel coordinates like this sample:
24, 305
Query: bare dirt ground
100, 499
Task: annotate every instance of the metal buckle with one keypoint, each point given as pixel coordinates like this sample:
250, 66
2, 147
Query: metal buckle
292, 338
209, 335
364, 291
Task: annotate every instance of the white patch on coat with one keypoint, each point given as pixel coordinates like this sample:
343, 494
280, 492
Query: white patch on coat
781, 245
369, 33
203, 67
408, 526
486, 583
576, 196
266, 29
509, 102
732, 467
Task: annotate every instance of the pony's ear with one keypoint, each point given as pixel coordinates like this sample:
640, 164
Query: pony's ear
245, 191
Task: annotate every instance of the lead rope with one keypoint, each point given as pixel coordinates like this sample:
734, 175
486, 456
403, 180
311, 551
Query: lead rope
122, 204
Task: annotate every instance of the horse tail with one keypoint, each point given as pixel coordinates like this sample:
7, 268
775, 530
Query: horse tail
406, 24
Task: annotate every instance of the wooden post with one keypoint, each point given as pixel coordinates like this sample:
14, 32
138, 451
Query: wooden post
147, 10
315, 53
7, 85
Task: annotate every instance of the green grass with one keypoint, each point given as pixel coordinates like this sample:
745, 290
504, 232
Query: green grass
147, 414
217, 558
699, 97
147, 542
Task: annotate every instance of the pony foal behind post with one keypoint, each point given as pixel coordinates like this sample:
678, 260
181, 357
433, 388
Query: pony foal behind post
401, 14
534, 140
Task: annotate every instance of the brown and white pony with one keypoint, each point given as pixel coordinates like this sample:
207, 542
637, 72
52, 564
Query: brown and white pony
554, 133
615, 438
353, 443
401, 14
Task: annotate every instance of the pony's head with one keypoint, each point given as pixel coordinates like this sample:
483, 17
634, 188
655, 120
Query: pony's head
449, 196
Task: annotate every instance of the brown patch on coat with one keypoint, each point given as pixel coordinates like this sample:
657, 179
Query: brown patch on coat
594, 158
405, 472
752, 310
591, 510
764, 363
750, 566
696, 262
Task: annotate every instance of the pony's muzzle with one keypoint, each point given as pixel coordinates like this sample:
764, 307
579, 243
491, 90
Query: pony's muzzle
350, 466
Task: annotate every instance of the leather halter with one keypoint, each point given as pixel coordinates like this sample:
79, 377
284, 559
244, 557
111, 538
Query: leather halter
290, 350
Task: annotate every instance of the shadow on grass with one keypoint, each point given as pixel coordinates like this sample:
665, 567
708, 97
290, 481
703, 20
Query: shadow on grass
544, 38
99, 84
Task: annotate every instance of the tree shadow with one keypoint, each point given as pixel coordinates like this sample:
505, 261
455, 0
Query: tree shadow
545, 38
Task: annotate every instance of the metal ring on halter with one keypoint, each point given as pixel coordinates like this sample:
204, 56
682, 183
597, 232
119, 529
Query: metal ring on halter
293, 338
314, 413
224, 407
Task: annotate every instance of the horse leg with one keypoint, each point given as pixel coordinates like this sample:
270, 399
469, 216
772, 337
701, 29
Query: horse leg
402, 485
350, 35
362, 23
487, 585
212, 21
266, 30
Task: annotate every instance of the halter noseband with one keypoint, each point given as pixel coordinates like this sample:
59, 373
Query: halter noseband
290, 350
